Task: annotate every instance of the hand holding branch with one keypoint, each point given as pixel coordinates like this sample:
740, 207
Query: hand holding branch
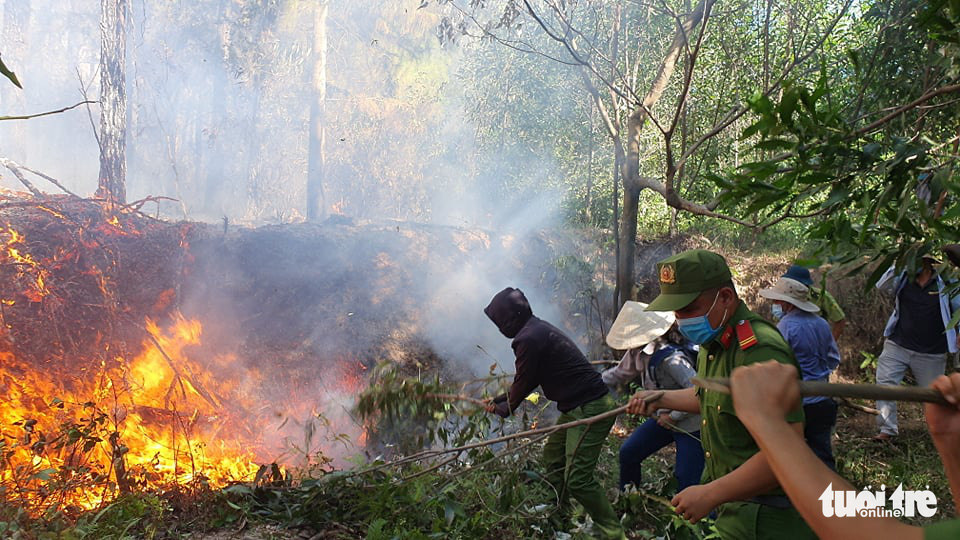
765, 391
644, 402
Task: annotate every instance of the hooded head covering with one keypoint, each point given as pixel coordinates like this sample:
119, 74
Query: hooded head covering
509, 310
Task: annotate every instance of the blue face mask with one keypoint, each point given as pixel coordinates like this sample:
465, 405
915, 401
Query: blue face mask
698, 329
777, 310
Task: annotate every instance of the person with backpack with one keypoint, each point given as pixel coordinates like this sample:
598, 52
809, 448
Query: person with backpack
657, 358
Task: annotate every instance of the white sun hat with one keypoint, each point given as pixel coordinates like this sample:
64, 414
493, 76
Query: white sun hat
792, 291
634, 327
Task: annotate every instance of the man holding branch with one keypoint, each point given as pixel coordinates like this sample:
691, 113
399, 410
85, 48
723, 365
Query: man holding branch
737, 481
763, 396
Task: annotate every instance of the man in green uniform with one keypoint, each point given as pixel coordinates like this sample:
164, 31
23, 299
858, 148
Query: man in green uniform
737, 481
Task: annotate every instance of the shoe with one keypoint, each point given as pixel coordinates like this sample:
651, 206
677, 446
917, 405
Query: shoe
883, 437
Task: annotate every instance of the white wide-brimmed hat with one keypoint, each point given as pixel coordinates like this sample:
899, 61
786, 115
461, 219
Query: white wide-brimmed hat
792, 291
634, 327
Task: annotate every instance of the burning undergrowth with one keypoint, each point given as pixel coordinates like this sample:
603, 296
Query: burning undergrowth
101, 392
137, 354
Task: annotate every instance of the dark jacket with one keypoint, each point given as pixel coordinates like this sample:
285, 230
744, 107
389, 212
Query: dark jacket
546, 357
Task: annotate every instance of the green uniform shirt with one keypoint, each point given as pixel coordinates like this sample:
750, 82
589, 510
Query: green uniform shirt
829, 308
726, 442
945, 530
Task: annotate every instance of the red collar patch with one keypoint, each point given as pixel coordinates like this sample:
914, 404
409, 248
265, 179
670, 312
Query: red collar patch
745, 335
726, 336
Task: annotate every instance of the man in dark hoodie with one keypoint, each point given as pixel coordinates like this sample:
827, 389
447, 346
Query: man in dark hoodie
547, 358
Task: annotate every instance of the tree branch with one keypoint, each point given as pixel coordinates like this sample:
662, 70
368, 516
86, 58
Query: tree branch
570, 49
48, 113
680, 203
10, 163
23, 179
920, 100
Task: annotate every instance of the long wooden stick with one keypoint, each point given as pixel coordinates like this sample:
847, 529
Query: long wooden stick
844, 390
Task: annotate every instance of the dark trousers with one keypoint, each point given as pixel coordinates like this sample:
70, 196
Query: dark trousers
818, 430
650, 437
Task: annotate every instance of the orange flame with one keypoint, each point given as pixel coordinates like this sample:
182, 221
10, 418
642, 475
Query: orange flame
26, 264
160, 419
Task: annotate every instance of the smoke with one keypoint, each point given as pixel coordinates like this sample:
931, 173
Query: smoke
219, 119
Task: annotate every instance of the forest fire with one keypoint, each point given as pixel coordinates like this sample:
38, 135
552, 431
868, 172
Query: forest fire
142, 356
95, 403
156, 420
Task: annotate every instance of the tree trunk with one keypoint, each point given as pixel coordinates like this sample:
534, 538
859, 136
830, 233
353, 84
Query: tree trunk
615, 227
626, 270
633, 183
588, 202
16, 23
113, 101
316, 165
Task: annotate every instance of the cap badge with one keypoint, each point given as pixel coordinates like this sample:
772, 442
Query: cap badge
668, 274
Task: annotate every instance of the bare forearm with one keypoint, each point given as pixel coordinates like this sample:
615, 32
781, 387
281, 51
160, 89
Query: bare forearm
838, 327
804, 477
748, 480
684, 400
950, 456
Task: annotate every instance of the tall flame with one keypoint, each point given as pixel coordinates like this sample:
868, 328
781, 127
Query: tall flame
159, 419
76, 432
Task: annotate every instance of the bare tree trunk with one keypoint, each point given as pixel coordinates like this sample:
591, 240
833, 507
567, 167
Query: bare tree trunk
113, 101
588, 203
16, 23
633, 183
626, 269
316, 165
215, 170
617, 168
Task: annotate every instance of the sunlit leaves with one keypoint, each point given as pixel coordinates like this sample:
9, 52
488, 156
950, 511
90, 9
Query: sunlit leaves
872, 190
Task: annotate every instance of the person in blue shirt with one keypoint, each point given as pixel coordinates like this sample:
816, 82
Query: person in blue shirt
813, 344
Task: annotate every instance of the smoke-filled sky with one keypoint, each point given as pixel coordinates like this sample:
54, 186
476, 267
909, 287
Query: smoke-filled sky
218, 119
218, 103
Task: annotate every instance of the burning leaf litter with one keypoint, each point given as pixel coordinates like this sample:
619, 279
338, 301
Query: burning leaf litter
106, 386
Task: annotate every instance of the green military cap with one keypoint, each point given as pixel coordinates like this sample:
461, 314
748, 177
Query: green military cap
685, 275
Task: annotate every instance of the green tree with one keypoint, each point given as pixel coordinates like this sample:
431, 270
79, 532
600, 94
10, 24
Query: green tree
665, 125
869, 150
